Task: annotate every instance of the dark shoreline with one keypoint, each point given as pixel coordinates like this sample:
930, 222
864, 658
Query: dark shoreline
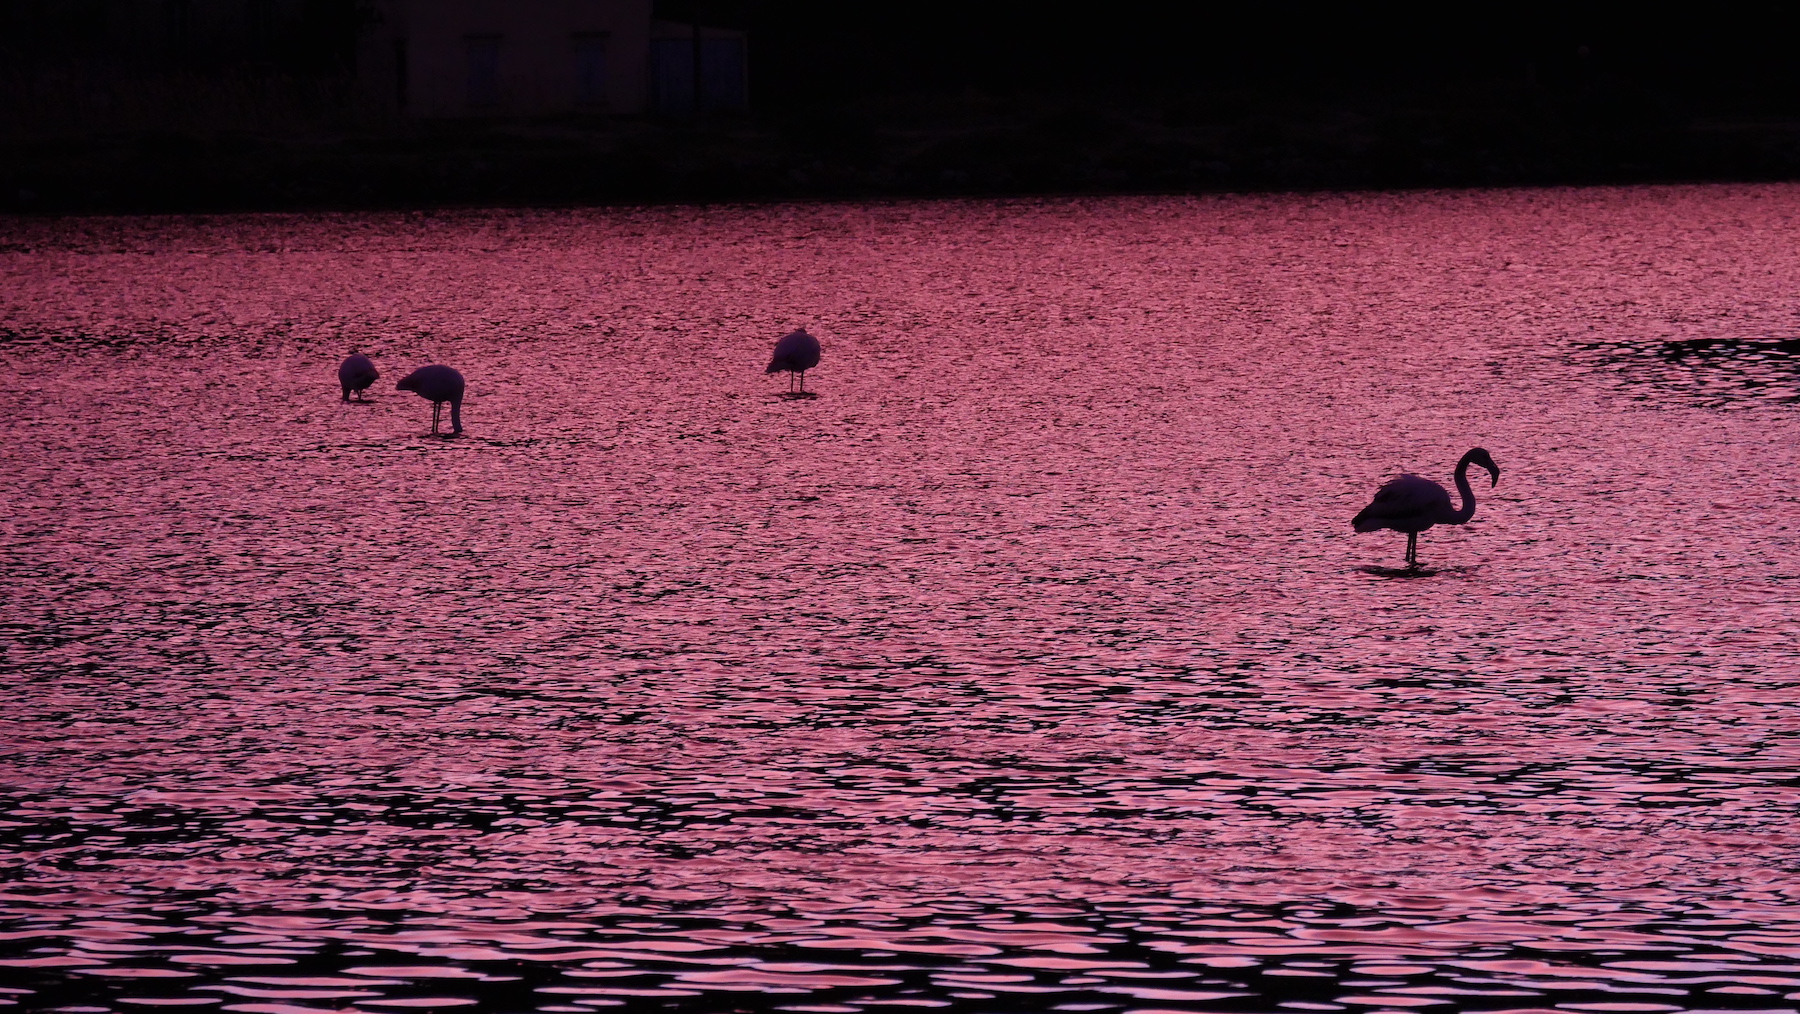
964, 146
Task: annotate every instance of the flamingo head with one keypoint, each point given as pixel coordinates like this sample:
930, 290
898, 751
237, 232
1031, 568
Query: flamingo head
1480, 456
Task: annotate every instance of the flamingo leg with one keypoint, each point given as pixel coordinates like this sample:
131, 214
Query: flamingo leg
436, 407
1412, 549
802, 381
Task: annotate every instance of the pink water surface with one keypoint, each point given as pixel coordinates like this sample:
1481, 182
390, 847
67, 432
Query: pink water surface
1031, 665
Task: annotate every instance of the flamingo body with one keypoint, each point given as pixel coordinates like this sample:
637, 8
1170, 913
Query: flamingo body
357, 373
1412, 503
795, 353
439, 384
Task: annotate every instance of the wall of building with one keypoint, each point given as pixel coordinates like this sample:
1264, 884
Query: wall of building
462, 58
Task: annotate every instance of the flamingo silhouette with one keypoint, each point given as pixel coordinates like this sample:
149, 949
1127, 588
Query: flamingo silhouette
1412, 503
440, 384
795, 353
357, 374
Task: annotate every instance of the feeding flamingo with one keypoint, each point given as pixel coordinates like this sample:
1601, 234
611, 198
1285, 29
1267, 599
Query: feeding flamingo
440, 384
356, 374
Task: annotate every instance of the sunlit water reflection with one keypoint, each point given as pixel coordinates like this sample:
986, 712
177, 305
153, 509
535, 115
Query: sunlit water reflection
1031, 666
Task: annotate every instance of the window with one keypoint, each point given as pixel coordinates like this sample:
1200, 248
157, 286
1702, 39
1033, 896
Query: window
262, 25
722, 71
672, 76
483, 54
590, 69
722, 74
178, 23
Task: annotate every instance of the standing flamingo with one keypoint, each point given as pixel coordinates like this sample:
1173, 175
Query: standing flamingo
440, 384
795, 353
1411, 503
357, 374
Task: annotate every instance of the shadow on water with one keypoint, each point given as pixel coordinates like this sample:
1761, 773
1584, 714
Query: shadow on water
796, 396
1405, 573
1397, 572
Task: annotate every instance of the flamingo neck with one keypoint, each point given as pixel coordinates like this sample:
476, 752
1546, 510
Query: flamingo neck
1462, 516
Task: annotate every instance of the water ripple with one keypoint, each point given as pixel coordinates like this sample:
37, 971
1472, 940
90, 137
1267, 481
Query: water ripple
1031, 666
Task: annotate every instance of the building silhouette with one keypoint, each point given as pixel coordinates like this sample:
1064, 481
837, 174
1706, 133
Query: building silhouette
532, 58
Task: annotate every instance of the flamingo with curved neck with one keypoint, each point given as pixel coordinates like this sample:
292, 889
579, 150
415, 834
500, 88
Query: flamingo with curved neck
1411, 503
